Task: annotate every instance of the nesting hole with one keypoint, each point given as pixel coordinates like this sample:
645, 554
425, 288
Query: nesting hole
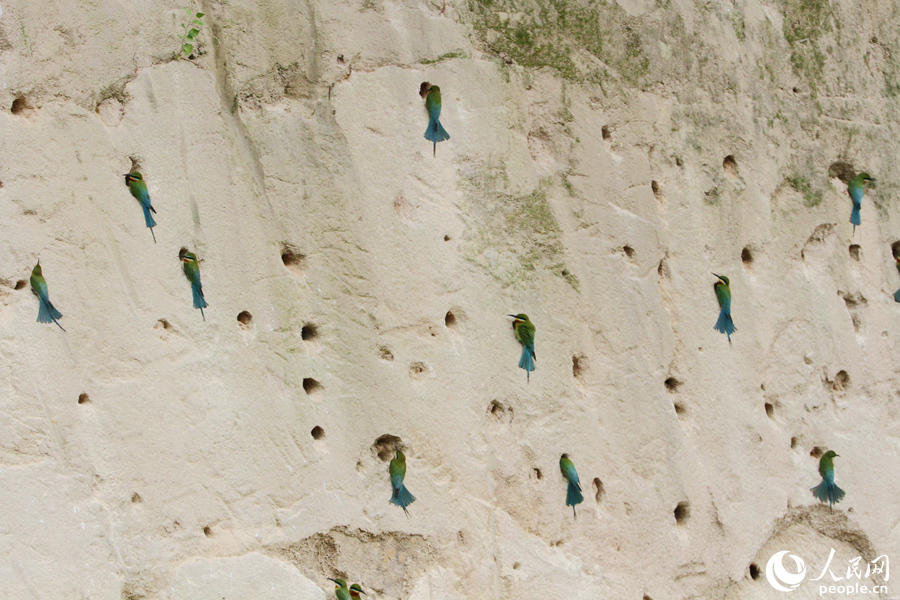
18, 105
770, 410
646, 597
682, 513
895, 249
537, 473
207, 531
841, 381
672, 384
340, 58
384, 446
680, 409
746, 256
83, 399
446, 238
450, 320
629, 251
794, 441
817, 452
163, 323
20, 284
309, 332
384, 353
136, 498
516, 565
796, 90
312, 387
663, 269
729, 164
293, 259
654, 186
418, 369
841, 170
579, 365
604, 131
678, 161
598, 489
317, 432
754, 571
499, 411
245, 318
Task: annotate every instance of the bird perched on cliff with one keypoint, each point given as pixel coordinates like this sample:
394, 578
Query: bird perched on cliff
47, 313
724, 324
135, 183
897, 293
855, 189
435, 132
399, 495
192, 272
827, 491
573, 495
524, 330
356, 590
340, 589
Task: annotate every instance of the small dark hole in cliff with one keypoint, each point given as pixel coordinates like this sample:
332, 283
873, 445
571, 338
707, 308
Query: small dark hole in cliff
747, 257
384, 446
579, 365
309, 332
654, 186
729, 164
516, 565
20, 284
678, 161
796, 90
136, 498
207, 531
293, 259
663, 269
384, 353
629, 251
770, 410
604, 131
446, 238
538, 474
682, 513
450, 320
317, 432
646, 597
754, 571
794, 441
680, 410
841, 381
245, 319
83, 399
672, 384
18, 105
340, 58
500, 412
895, 249
817, 452
598, 489
418, 370
312, 387
854, 252
163, 323
841, 170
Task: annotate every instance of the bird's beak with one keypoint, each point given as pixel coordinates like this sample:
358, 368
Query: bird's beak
330, 579
837, 454
513, 316
719, 276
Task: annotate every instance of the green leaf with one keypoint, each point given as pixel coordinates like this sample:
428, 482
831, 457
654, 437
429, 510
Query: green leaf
192, 33
199, 15
183, 26
187, 48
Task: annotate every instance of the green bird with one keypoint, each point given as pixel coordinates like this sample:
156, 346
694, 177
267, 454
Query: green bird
855, 189
828, 491
399, 494
573, 495
192, 272
724, 324
340, 589
135, 183
356, 590
524, 330
435, 132
897, 293
47, 313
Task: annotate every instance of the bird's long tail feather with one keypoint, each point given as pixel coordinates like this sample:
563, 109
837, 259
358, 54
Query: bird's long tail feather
724, 324
148, 218
574, 495
828, 491
199, 300
897, 296
436, 133
527, 361
402, 498
47, 313
854, 216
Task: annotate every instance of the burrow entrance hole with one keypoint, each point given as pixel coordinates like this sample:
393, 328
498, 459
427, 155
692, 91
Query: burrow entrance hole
385, 446
682, 513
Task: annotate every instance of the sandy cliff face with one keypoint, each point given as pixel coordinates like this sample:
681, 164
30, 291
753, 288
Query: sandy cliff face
605, 158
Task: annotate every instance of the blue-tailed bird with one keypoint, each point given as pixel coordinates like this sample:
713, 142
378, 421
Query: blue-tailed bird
356, 590
897, 293
435, 132
399, 494
524, 330
192, 272
855, 189
47, 313
573, 495
828, 491
135, 183
724, 324
340, 589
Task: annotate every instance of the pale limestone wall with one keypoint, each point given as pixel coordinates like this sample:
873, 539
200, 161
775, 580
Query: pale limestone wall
585, 183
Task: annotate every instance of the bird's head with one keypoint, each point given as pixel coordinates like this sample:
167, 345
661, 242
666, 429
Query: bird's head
564, 456
186, 256
37, 269
424, 89
830, 454
132, 177
356, 590
339, 583
434, 90
865, 177
521, 317
723, 279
